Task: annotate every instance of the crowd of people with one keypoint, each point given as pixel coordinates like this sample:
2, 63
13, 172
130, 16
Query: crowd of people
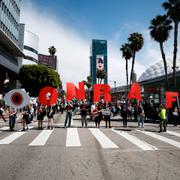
137, 112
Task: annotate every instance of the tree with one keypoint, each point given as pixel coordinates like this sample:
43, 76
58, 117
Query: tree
52, 50
34, 77
160, 30
136, 42
101, 74
173, 11
127, 54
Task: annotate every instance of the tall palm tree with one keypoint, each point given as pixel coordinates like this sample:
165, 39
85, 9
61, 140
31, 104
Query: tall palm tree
52, 50
127, 54
136, 42
173, 11
160, 30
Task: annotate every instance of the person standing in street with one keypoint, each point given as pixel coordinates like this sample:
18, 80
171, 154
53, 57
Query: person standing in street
69, 109
124, 115
162, 116
40, 116
1, 113
50, 114
83, 112
106, 112
26, 119
175, 116
141, 115
12, 118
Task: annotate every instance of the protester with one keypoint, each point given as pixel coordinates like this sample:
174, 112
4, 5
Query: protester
175, 115
83, 112
162, 115
12, 118
96, 116
26, 119
50, 114
69, 109
124, 115
106, 112
141, 115
40, 116
1, 113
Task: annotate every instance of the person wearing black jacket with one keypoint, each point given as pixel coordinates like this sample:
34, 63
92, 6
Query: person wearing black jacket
83, 112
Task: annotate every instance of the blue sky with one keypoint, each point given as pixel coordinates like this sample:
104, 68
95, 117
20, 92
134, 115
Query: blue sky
102, 17
71, 24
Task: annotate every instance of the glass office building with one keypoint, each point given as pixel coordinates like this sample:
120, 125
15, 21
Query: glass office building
9, 40
98, 59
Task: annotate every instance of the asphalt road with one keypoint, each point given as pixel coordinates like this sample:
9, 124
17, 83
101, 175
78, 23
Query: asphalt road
91, 159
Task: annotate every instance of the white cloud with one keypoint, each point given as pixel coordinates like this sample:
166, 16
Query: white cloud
73, 49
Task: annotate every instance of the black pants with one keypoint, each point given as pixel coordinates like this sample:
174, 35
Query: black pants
12, 121
107, 119
162, 123
124, 121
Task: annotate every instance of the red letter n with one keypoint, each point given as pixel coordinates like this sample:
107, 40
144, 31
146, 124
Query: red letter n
74, 92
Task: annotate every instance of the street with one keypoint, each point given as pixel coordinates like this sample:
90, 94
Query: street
90, 153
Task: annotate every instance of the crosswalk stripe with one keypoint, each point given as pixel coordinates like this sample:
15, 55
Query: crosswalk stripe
11, 138
42, 138
174, 133
4, 128
29, 127
72, 138
141, 144
102, 138
161, 138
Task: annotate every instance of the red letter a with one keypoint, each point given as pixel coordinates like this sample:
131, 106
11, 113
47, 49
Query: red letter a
135, 92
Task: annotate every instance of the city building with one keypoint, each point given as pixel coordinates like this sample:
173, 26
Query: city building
30, 47
48, 60
9, 44
152, 83
98, 59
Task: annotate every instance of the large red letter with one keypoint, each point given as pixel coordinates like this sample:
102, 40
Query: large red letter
74, 92
135, 92
171, 97
102, 89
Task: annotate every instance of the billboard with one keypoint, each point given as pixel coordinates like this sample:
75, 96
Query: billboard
47, 60
100, 62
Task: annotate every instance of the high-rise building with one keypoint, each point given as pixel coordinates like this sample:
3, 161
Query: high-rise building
30, 46
9, 41
98, 59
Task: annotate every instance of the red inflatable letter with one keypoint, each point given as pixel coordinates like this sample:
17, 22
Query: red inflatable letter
48, 96
102, 89
135, 92
171, 97
74, 92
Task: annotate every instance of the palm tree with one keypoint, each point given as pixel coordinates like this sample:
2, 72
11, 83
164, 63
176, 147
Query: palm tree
160, 31
173, 11
52, 50
101, 74
136, 42
127, 54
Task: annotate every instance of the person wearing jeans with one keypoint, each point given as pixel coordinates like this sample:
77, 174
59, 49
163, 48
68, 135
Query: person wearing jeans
69, 108
12, 119
141, 116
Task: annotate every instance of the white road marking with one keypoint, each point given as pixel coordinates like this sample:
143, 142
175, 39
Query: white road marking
141, 144
102, 138
29, 127
42, 138
161, 138
72, 139
173, 133
4, 128
11, 138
